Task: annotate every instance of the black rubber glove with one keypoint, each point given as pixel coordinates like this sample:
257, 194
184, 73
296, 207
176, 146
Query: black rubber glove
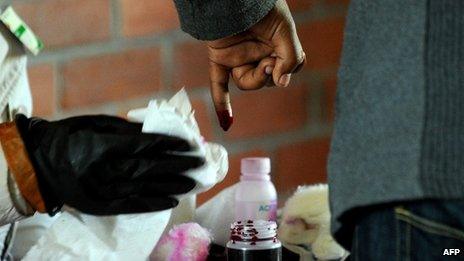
105, 165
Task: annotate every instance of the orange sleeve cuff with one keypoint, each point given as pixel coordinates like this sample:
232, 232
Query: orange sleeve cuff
20, 165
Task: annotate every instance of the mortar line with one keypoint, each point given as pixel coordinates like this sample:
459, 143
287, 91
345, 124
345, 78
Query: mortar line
106, 47
115, 19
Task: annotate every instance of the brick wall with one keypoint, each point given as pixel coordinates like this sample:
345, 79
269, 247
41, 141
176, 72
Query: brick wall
108, 56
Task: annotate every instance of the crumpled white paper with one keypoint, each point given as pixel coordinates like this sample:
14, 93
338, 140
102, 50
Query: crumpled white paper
176, 118
77, 236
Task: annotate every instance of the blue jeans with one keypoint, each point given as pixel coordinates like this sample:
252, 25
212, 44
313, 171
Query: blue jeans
422, 230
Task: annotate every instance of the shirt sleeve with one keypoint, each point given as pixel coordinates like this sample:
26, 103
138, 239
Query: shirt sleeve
13, 207
215, 19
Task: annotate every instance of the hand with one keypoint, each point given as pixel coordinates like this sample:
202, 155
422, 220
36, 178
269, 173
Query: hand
267, 53
105, 165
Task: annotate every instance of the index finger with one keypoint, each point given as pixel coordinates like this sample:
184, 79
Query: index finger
219, 77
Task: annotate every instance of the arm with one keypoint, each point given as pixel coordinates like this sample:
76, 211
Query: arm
254, 42
21, 183
13, 207
99, 164
215, 19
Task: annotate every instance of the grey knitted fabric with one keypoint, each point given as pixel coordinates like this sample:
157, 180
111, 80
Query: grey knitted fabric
214, 19
443, 136
399, 131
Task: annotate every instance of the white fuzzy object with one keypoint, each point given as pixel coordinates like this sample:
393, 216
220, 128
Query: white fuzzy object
188, 241
306, 221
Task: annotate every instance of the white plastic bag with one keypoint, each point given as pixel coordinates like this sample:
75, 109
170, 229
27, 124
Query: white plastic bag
76, 236
217, 214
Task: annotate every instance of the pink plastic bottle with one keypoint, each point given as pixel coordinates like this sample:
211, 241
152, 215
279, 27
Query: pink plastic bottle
255, 196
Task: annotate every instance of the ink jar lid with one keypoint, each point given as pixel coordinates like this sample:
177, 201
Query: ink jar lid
253, 235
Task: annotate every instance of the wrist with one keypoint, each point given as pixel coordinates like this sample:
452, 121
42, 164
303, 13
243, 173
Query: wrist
28, 129
19, 202
20, 166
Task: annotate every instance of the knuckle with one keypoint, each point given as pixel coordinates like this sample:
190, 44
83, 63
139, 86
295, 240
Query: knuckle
240, 84
237, 73
294, 60
212, 54
301, 57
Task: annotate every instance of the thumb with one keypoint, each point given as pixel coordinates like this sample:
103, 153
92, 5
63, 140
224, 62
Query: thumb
219, 77
289, 55
253, 77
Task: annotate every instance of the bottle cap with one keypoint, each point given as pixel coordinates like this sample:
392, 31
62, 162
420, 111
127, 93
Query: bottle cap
256, 165
252, 234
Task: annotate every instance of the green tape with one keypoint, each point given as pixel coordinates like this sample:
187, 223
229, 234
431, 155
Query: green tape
19, 31
40, 44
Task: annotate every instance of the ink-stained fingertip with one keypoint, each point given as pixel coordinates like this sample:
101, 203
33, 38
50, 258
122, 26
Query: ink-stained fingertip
225, 119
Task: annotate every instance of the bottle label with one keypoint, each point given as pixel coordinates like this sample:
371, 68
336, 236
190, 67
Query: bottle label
254, 210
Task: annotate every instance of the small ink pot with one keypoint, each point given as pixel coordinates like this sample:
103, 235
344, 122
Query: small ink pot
254, 241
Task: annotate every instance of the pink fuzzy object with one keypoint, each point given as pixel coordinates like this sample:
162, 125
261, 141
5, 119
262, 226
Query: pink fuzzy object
184, 242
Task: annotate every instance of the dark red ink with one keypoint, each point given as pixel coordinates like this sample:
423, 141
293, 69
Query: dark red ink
225, 119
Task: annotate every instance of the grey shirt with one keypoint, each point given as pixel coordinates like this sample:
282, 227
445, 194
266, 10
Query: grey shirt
399, 129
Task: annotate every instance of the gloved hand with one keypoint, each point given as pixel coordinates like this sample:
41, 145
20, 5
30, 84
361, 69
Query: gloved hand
105, 165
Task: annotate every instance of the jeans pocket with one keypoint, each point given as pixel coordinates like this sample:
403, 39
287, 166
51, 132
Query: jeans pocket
422, 238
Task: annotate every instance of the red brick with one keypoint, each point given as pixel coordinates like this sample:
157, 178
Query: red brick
111, 77
191, 65
143, 17
233, 176
322, 42
41, 79
330, 87
67, 22
302, 163
203, 119
268, 111
300, 5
